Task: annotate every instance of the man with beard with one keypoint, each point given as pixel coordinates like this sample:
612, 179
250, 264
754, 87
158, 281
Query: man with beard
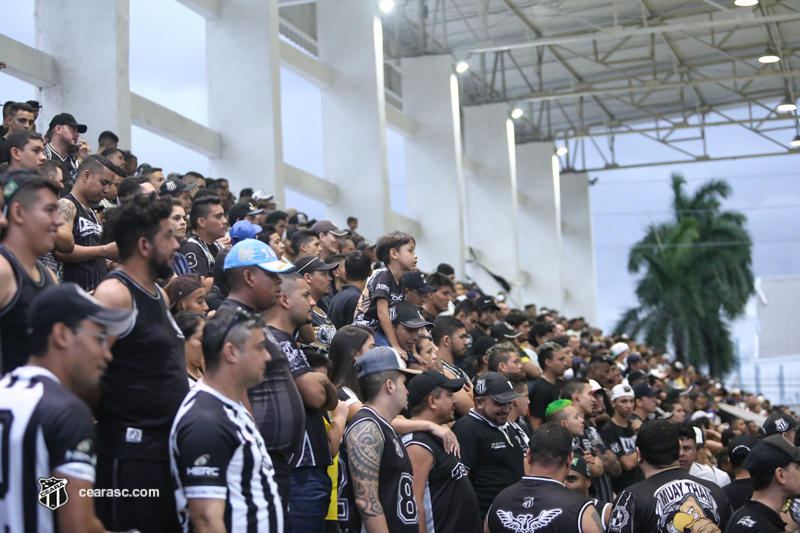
669, 499
251, 270
65, 132
619, 436
487, 309
32, 212
492, 456
309, 495
86, 263
146, 381
316, 272
445, 497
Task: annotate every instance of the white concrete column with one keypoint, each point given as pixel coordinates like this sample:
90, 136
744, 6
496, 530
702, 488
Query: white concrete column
539, 224
577, 248
433, 160
491, 195
93, 81
350, 41
244, 94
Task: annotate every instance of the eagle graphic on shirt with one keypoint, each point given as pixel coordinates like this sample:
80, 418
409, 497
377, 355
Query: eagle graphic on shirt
527, 523
684, 505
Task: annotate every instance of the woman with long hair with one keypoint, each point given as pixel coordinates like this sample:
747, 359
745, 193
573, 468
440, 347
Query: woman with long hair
191, 324
347, 346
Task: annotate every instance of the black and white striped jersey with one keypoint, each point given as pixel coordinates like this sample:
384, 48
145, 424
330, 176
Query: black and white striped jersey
45, 430
217, 452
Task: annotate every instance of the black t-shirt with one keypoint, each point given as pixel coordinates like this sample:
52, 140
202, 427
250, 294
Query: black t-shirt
217, 453
670, 501
622, 441
276, 403
452, 504
492, 455
46, 430
324, 330
738, 491
755, 517
315, 450
537, 504
145, 383
543, 394
342, 307
200, 255
381, 286
601, 485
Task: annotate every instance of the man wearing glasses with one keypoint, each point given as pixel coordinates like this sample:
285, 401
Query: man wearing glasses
220, 464
146, 382
47, 430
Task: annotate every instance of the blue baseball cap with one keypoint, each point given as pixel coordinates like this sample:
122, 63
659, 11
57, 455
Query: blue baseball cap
251, 252
243, 230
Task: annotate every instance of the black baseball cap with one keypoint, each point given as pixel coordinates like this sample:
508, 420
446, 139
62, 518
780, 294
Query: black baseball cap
311, 263
176, 185
503, 330
415, 280
778, 423
495, 385
741, 445
486, 302
65, 119
326, 226
13, 179
770, 453
422, 385
69, 304
382, 359
238, 211
406, 313
642, 389
580, 466
674, 393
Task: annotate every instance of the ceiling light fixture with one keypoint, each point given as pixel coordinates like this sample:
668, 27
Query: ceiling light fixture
386, 5
462, 67
769, 56
795, 142
517, 112
786, 105
562, 150
745, 3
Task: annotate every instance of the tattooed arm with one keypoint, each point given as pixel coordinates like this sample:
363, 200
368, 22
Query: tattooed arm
65, 242
365, 448
591, 522
77, 254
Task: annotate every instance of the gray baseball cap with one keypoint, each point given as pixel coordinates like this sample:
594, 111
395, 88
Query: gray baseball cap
382, 359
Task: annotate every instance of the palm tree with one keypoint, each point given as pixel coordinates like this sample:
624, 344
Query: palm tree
697, 277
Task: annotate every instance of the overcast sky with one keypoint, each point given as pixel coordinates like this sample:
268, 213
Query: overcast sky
167, 65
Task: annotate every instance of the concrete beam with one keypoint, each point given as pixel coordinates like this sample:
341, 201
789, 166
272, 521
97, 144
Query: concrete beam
307, 67
167, 123
310, 185
28, 64
400, 122
398, 222
204, 8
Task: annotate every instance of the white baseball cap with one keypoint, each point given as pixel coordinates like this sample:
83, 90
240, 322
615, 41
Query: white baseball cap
623, 390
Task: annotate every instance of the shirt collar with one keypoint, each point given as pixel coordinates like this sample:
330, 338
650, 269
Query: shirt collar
30, 371
479, 416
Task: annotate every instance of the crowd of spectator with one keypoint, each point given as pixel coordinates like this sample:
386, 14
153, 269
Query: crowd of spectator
227, 366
